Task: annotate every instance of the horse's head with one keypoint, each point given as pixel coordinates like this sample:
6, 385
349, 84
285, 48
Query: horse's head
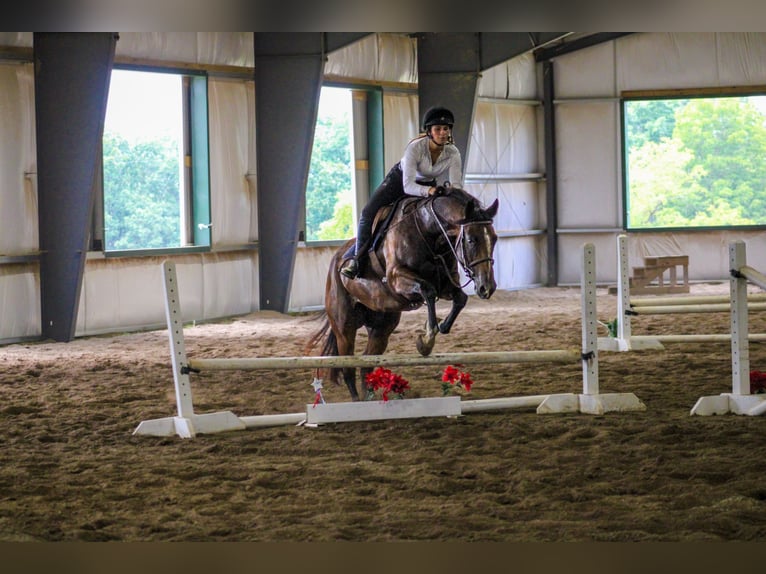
476, 238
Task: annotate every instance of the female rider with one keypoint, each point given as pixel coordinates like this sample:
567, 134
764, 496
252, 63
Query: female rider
429, 161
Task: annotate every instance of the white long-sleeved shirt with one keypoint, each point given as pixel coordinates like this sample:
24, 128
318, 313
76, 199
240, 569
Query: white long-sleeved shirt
416, 164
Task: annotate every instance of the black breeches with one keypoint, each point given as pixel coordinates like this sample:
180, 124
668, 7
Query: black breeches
390, 189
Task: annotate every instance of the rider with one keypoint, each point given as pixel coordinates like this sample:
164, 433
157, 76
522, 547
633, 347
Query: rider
430, 161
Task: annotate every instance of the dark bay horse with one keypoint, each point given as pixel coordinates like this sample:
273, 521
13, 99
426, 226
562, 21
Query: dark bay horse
414, 264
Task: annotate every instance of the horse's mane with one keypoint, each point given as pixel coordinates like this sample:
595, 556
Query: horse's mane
472, 208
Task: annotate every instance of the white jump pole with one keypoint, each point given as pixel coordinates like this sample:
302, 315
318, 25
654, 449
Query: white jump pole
360, 361
739, 401
688, 308
637, 304
187, 423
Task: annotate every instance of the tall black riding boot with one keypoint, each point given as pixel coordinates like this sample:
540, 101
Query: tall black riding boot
354, 267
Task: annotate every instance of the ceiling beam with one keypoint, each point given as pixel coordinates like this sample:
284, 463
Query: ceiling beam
337, 40
569, 46
448, 75
498, 47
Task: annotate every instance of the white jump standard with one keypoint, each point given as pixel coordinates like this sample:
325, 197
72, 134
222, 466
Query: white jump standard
740, 401
625, 340
188, 423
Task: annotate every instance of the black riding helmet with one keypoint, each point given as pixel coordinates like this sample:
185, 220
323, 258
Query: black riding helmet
438, 117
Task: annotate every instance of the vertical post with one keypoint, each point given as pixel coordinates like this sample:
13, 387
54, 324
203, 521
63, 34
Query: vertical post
740, 350
176, 339
551, 189
623, 291
589, 321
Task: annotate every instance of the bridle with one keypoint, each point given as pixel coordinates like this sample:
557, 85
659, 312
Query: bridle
458, 249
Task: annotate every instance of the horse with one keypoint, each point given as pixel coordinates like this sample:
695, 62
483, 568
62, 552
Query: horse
418, 244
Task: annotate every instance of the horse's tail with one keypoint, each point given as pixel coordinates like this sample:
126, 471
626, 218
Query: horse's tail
329, 343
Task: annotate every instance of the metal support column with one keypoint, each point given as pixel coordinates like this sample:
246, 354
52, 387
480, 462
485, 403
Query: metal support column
551, 190
448, 75
288, 79
72, 72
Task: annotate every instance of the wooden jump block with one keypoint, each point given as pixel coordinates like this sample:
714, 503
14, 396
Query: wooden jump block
654, 269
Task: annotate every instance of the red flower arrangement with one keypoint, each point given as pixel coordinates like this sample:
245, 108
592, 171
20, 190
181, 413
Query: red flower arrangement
387, 382
453, 378
757, 382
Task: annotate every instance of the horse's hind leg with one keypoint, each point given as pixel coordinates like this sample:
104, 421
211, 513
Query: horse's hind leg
379, 330
346, 348
344, 321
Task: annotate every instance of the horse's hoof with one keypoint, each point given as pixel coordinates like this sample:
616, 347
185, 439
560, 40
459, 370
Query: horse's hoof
423, 348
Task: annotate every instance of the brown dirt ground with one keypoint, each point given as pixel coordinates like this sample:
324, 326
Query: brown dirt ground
72, 471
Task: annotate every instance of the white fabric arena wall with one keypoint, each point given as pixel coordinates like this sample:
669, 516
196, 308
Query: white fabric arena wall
588, 85
126, 293
505, 148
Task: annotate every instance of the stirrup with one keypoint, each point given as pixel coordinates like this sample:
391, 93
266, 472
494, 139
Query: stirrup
350, 269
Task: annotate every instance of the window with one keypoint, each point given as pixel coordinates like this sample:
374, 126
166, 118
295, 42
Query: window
330, 189
695, 162
155, 162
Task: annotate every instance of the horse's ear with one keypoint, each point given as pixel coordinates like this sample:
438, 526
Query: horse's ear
492, 209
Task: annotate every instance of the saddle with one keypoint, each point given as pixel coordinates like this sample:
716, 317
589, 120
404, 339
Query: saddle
380, 226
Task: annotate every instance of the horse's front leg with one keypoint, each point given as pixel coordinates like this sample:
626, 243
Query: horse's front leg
459, 299
425, 342
406, 283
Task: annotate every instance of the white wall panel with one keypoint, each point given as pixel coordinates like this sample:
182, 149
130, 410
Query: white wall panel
18, 193
311, 266
741, 58
667, 60
19, 302
377, 57
227, 284
570, 257
519, 207
515, 79
400, 125
503, 139
588, 154
171, 46
586, 73
123, 293
519, 262
217, 48
230, 142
